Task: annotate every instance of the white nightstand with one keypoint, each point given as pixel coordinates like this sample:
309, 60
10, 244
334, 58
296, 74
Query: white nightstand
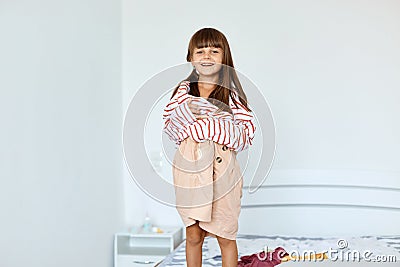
145, 249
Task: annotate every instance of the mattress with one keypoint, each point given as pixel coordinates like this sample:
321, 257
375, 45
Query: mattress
340, 251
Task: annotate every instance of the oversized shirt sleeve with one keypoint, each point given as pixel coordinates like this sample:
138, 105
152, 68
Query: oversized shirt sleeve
177, 114
244, 124
180, 123
236, 134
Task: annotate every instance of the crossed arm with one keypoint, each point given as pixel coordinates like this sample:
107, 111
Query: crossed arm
180, 122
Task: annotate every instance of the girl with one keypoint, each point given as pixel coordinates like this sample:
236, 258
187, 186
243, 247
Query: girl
208, 117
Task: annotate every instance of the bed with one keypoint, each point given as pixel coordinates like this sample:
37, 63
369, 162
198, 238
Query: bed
317, 211
249, 244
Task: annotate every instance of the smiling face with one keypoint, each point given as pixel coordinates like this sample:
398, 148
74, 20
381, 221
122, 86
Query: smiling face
207, 60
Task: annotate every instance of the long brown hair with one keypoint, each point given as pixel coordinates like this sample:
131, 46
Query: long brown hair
210, 37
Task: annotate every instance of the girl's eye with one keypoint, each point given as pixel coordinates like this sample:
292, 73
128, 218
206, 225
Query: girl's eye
199, 52
215, 51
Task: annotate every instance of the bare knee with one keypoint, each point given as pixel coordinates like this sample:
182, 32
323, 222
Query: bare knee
194, 240
194, 235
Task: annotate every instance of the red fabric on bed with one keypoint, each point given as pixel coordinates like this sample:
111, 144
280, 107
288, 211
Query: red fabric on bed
263, 260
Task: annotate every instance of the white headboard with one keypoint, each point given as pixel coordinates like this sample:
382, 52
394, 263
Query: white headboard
323, 203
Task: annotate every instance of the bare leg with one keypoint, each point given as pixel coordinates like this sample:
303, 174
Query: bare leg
194, 244
229, 252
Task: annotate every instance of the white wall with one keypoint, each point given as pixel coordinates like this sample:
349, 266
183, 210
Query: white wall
329, 70
60, 146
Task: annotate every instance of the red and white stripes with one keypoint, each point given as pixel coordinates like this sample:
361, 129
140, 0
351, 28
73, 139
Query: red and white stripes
236, 132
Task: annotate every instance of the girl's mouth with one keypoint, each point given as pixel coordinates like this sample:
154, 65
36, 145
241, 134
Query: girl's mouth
207, 64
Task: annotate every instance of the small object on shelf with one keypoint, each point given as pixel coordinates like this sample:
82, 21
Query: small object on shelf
157, 230
147, 224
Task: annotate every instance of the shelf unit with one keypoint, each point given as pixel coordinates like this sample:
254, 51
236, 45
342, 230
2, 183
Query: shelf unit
145, 249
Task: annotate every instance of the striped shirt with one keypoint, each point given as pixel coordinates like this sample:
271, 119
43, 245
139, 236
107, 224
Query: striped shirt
195, 117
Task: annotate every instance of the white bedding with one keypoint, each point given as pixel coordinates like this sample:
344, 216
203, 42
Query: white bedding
248, 244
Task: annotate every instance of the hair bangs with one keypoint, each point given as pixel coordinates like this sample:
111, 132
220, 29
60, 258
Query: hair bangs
208, 38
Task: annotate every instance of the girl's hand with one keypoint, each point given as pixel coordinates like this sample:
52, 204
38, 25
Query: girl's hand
194, 108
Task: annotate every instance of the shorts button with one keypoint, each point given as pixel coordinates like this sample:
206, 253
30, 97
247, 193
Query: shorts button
219, 159
224, 148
